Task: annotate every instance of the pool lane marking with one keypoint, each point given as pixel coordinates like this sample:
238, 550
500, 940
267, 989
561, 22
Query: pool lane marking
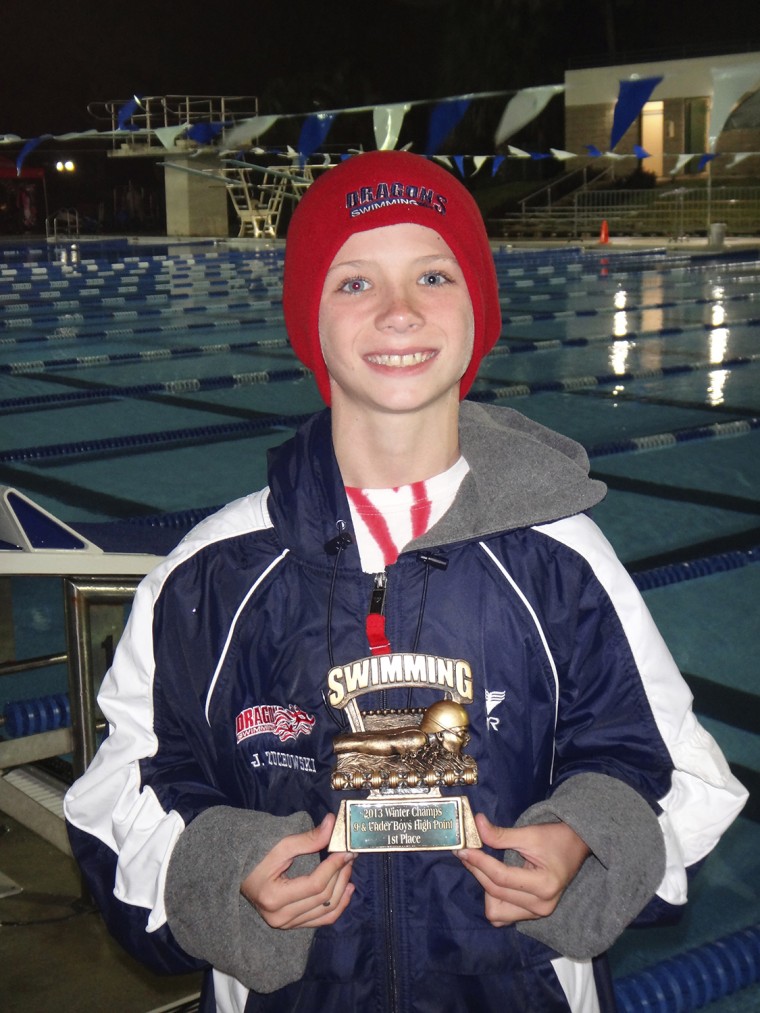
657, 441
497, 390
17, 315
265, 423
78, 448
500, 389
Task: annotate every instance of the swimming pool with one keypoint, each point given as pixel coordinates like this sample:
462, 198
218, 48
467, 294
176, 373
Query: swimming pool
142, 384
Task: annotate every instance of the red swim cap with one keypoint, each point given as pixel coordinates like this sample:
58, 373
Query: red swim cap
367, 192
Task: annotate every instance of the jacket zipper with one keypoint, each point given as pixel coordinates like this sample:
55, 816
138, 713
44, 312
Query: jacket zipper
379, 591
390, 940
377, 608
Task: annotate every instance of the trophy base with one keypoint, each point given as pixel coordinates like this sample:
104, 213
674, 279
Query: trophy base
401, 823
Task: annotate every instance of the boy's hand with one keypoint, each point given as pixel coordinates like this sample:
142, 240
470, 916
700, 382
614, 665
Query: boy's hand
553, 854
303, 901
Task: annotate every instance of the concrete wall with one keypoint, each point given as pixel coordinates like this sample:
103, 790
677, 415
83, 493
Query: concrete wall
195, 205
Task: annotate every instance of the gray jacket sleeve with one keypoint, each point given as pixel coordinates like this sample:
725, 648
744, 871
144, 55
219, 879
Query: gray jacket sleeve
619, 877
207, 914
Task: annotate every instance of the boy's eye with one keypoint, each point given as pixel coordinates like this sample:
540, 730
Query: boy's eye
354, 285
433, 278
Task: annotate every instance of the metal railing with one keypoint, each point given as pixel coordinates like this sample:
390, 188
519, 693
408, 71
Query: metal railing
562, 187
80, 738
674, 213
155, 112
65, 222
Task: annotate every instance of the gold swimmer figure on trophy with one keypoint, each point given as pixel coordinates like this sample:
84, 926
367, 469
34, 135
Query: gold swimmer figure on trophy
428, 754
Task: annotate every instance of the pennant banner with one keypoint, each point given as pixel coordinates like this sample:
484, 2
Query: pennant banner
632, 98
730, 86
523, 108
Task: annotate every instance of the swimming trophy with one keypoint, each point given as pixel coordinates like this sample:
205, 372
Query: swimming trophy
404, 758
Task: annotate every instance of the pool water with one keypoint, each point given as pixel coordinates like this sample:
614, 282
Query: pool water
144, 384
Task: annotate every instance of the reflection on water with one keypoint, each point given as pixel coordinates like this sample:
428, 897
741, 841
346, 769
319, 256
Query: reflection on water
652, 317
716, 382
619, 352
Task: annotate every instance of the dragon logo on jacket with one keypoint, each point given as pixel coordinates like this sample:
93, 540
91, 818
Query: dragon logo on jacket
287, 723
403, 757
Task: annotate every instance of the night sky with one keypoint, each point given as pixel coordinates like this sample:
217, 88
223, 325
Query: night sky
58, 56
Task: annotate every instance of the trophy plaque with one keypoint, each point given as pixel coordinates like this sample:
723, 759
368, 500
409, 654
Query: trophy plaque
405, 759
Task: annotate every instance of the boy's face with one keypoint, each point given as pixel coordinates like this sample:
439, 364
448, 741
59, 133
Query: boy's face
395, 321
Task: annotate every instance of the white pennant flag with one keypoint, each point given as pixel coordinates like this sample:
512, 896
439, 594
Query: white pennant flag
682, 161
387, 122
739, 157
168, 135
729, 84
523, 108
246, 130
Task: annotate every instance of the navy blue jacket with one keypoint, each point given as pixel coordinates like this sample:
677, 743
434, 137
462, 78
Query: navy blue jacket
221, 739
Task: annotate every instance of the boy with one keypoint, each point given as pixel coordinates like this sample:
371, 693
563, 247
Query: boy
401, 523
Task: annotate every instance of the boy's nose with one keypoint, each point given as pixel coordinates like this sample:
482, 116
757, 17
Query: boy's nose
399, 311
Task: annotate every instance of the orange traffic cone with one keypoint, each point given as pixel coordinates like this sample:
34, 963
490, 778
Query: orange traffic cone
604, 233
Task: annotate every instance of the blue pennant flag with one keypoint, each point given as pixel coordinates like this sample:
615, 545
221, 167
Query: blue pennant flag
593, 150
204, 133
313, 134
443, 119
126, 113
703, 162
498, 159
27, 149
632, 98
459, 163
640, 152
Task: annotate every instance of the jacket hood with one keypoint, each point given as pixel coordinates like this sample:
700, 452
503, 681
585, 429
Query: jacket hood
521, 474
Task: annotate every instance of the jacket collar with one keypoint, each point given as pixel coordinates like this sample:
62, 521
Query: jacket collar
521, 474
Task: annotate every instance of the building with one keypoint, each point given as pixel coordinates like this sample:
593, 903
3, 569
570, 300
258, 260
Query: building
698, 107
